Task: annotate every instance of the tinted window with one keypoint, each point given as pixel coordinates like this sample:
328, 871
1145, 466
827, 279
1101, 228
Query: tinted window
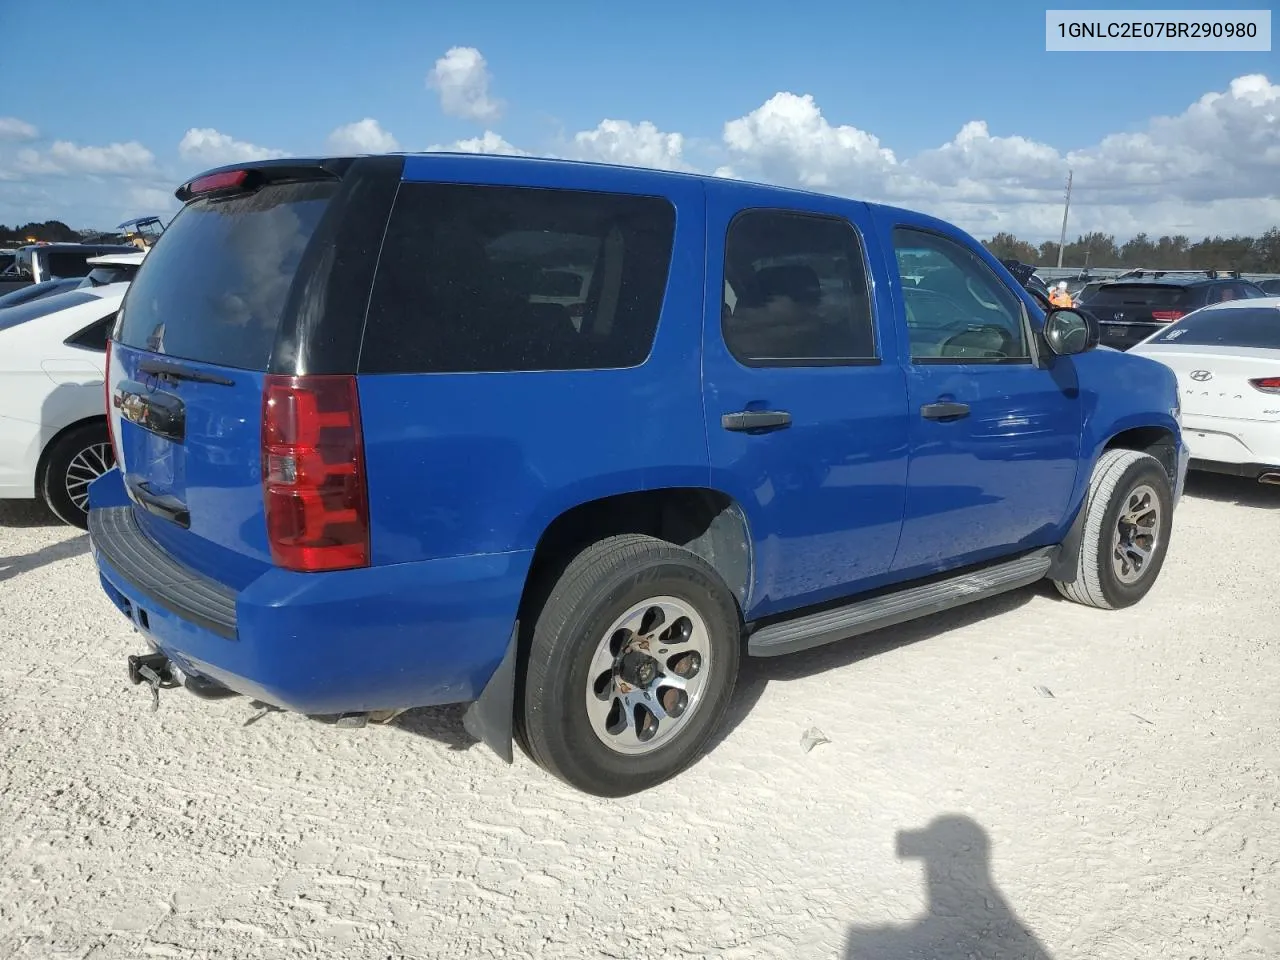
957, 309
462, 282
6, 261
94, 337
214, 288
1270, 287
67, 263
23, 312
1226, 327
795, 290
1156, 296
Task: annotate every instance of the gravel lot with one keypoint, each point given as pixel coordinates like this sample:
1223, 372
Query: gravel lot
1024, 775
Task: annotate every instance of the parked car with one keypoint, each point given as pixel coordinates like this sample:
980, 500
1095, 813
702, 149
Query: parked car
106, 269
364, 468
53, 425
1227, 360
1132, 309
37, 263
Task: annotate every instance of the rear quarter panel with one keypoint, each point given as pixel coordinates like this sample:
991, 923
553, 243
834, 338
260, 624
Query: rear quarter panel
471, 463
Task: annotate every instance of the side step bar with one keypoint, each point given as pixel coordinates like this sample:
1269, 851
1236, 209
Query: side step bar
885, 610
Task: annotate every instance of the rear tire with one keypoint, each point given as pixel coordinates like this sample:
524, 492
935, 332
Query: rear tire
1128, 517
639, 637
71, 463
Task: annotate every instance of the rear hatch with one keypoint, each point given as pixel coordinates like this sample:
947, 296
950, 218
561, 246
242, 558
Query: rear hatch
1139, 303
214, 310
1227, 361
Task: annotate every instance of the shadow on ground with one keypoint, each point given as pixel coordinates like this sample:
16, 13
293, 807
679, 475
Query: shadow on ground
965, 913
24, 563
26, 513
444, 724
1237, 490
756, 674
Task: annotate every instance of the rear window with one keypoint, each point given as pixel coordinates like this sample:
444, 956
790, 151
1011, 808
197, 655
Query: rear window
475, 278
1153, 295
68, 263
24, 312
100, 276
213, 288
1226, 327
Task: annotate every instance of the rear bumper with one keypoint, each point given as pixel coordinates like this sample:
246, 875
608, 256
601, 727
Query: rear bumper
1239, 448
1249, 471
380, 638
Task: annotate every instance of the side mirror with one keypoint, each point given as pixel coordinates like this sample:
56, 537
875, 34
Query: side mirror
1069, 332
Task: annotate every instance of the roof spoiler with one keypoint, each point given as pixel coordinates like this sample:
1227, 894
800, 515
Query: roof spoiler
247, 177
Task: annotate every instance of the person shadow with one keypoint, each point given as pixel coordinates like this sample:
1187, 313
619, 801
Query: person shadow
966, 916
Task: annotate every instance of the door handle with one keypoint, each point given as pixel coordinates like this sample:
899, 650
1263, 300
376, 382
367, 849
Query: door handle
944, 410
748, 421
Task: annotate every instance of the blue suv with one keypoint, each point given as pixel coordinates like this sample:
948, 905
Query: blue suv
565, 441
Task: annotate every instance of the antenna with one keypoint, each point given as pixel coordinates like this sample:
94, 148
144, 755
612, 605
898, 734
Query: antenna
1062, 239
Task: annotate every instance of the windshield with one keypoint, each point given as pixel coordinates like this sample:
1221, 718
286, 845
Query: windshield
1226, 327
214, 290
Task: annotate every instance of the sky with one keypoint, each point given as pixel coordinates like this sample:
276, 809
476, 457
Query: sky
953, 109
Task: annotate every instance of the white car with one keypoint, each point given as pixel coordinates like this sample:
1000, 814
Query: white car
53, 426
1227, 359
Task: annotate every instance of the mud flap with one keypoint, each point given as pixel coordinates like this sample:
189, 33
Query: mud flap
1065, 561
490, 716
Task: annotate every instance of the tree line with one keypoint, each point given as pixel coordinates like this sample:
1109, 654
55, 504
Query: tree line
1246, 254
52, 231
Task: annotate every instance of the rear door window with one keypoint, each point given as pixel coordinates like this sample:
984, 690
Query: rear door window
1226, 327
795, 290
214, 290
489, 278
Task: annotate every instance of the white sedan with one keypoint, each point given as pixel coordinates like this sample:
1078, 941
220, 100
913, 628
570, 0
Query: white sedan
1227, 359
53, 426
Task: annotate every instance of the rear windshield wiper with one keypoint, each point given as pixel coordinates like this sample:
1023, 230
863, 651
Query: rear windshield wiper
174, 371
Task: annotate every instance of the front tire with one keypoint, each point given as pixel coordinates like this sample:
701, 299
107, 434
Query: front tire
72, 462
630, 667
1128, 517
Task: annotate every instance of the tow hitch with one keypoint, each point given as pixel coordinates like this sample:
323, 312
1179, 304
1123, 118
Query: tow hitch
156, 671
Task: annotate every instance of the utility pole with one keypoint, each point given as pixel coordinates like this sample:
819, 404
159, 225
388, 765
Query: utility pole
1062, 239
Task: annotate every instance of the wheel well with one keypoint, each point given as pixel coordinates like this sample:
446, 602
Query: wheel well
1156, 441
706, 522
44, 451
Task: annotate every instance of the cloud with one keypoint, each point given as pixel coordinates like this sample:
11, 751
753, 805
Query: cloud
461, 78
635, 144
11, 128
363, 136
65, 158
208, 146
488, 142
1209, 169
152, 200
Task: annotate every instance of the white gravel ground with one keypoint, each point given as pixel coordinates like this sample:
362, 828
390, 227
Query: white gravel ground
1086, 784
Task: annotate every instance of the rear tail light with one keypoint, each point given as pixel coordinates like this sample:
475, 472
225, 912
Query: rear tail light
1266, 384
313, 475
1166, 316
215, 182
